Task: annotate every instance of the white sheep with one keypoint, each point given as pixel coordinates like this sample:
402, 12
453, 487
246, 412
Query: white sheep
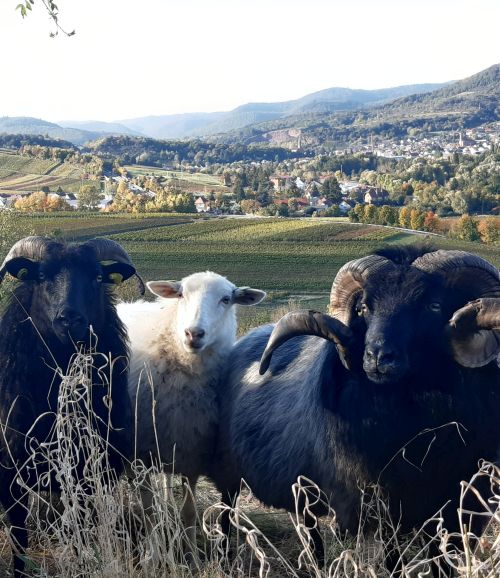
179, 345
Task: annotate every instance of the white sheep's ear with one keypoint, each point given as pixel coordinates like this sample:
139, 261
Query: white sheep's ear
248, 296
165, 289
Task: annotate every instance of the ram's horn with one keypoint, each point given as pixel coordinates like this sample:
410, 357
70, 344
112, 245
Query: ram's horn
473, 329
475, 332
33, 247
308, 323
349, 282
108, 250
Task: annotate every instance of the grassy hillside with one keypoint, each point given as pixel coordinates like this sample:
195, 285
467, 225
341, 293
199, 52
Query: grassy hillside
20, 174
187, 180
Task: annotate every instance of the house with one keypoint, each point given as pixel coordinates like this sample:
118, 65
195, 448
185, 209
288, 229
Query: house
202, 205
375, 196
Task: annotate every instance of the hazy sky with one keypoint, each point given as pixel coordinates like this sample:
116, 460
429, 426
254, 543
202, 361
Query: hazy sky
134, 58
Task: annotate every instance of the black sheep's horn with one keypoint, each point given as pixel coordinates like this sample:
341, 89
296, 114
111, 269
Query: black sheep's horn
308, 322
108, 250
475, 332
33, 247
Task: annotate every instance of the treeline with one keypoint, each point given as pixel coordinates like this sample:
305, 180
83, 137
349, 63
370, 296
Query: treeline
153, 152
16, 141
90, 163
466, 228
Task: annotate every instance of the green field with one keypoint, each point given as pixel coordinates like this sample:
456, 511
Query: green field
294, 256
188, 181
19, 174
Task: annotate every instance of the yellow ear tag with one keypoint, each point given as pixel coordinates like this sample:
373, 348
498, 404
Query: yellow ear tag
116, 278
22, 273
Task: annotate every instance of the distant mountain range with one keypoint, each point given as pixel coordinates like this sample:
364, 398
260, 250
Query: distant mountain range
330, 116
205, 124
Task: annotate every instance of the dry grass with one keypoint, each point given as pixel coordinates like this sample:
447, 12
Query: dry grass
97, 526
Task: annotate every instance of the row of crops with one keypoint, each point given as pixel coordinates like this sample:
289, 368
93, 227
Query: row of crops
19, 173
294, 256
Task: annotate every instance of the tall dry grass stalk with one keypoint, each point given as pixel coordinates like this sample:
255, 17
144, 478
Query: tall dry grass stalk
97, 526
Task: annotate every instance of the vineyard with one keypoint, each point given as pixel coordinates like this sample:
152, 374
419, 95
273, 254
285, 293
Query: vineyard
193, 182
19, 174
295, 256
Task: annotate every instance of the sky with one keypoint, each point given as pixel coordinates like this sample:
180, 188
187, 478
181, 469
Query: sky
130, 58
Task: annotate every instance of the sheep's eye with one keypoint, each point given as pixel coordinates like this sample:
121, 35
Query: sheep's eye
99, 278
226, 300
435, 307
362, 309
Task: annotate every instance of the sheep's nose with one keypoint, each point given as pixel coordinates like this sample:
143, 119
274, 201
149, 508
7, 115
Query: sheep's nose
69, 318
381, 356
194, 336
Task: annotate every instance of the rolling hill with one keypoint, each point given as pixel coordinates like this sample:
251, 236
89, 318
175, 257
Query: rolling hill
191, 125
462, 104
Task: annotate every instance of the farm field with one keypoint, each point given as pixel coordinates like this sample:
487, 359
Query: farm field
20, 174
188, 181
294, 256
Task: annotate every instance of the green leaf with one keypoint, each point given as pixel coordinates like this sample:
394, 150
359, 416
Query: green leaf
22, 9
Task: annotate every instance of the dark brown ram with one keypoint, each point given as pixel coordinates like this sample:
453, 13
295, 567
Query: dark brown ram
411, 346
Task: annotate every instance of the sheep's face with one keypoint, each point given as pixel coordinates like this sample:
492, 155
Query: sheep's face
404, 317
67, 290
205, 309
67, 293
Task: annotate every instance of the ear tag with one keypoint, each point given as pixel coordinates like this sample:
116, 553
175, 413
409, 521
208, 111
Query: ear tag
116, 278
22, 274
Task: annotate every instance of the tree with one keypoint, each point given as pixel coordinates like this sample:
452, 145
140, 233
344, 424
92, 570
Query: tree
488, 230
404, 217
249, 206
432, 223
332, 190
466, 229
89, 197
387, 215
370, 214
417, 219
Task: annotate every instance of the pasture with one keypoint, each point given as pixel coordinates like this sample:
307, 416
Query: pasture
295, 261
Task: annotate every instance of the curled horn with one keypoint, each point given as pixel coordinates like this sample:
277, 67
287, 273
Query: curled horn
349, 282
474, 329
108, 250
33, 247
308, 323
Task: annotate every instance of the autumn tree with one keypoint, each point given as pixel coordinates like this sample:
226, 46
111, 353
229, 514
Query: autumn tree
417, 219
404, 217
89, 197
488, 231
370, 214
466, 229
432, 223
